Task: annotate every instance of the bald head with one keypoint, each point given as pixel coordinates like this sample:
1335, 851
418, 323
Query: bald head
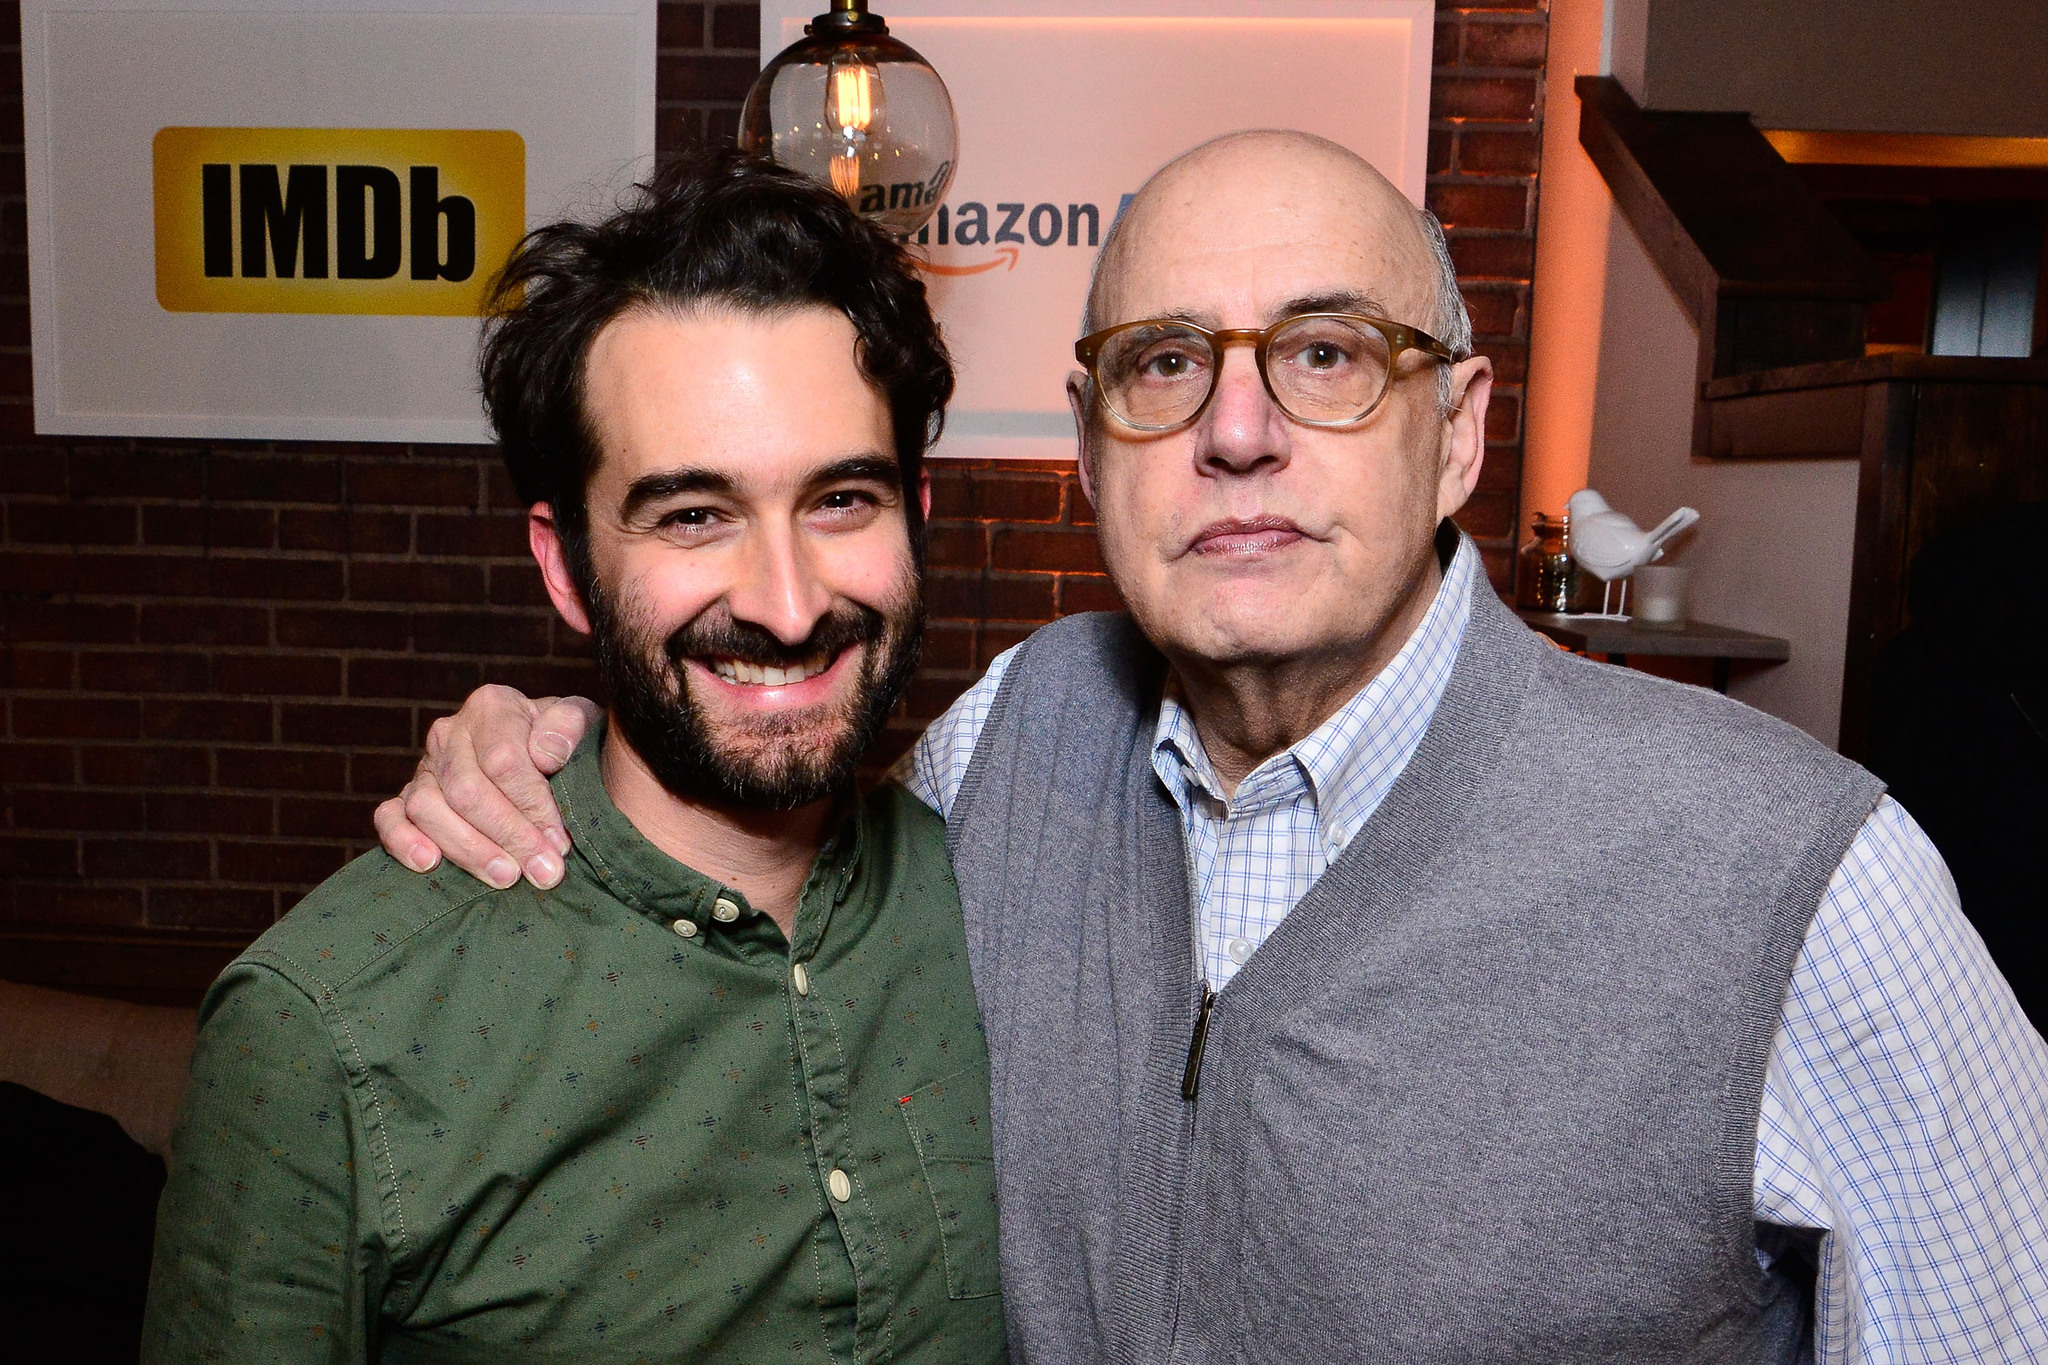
1260, 183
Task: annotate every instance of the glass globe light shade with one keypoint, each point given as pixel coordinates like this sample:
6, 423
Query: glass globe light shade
852, 107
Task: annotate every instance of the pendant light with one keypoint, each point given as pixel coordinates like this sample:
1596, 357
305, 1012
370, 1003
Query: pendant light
855, 109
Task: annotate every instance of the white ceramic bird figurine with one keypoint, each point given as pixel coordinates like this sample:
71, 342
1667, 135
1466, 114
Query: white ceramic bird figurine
1608, 545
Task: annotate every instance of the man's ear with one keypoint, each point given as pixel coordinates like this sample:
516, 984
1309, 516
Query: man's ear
545, 539
924, 491
1077, 400
1464, 438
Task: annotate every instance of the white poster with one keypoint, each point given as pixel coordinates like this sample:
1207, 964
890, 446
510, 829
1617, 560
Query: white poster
1065, 106
276, 219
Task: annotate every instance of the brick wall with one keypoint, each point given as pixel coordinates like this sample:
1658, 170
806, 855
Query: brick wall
1485, 136
216, 657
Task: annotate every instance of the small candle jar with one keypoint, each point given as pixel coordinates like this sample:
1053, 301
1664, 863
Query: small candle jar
1658, 596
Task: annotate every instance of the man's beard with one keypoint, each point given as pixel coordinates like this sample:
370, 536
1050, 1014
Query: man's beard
771, 763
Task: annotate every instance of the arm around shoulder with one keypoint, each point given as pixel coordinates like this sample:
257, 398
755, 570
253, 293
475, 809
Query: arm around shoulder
262, 1253
480, 796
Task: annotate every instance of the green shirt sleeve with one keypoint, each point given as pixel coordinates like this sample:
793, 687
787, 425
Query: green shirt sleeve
259, 1253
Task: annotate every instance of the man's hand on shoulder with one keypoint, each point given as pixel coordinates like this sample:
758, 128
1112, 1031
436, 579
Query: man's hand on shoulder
480, 796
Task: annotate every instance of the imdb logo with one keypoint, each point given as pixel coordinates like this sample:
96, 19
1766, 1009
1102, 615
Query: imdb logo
335, 220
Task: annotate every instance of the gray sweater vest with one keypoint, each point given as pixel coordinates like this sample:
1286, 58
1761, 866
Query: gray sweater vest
1490, 1092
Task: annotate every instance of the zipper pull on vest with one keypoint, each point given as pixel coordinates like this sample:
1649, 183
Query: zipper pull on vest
1191, 1079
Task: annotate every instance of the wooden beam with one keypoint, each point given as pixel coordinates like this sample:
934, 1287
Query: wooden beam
1765, 272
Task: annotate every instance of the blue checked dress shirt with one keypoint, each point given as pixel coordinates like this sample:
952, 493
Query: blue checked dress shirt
1903, 1140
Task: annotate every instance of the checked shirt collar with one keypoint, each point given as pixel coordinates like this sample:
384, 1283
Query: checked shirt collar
1253, 855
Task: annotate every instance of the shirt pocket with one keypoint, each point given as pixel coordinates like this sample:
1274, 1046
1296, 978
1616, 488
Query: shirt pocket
949, 1126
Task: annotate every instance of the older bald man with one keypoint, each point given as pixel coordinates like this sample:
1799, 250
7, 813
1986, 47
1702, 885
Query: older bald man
1364, 979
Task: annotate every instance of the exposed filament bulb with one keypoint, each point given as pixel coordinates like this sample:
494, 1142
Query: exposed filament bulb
853, 105
853, 96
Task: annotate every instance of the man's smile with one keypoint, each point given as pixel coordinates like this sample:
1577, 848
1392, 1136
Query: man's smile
780, 689
760, 675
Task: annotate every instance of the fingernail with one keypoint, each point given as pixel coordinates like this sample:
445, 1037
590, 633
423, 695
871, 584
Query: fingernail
501, 872
543, 870
552, 746
559, 839
422, 860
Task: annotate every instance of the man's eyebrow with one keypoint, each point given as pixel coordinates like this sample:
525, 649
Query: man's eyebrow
1336, 301
873, 467
672, 483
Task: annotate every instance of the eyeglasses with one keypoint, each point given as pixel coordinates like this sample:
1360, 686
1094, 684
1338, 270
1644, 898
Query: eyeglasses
1323, 369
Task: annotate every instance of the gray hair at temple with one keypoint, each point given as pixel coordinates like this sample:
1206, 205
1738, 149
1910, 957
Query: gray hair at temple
1449, 322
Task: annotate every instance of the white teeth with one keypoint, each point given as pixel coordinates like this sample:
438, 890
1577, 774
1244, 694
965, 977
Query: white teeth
756, 675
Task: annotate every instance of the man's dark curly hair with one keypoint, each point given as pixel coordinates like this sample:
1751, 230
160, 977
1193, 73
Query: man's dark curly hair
717, 229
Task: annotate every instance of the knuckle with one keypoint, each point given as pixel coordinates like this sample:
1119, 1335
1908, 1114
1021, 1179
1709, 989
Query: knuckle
465, 792
502, 761
423, 803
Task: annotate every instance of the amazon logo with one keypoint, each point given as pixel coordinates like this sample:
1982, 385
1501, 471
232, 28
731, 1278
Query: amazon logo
1010, 229
1004, 259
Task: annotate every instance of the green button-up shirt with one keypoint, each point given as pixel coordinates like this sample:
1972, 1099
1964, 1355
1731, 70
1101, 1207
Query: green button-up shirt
623, 1120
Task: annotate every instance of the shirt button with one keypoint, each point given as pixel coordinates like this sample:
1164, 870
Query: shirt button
1239, 950
802, 979
841, 1187
686, 928
724, 911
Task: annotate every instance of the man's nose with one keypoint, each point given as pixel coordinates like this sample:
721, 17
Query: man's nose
1242, 430
779, 588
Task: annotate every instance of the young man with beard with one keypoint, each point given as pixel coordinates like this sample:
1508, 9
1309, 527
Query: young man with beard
720, 1094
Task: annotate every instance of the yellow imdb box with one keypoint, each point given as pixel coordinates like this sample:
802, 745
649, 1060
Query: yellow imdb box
335, 220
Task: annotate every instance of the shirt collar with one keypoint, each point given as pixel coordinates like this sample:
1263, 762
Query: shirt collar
629, 866
1349, 761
